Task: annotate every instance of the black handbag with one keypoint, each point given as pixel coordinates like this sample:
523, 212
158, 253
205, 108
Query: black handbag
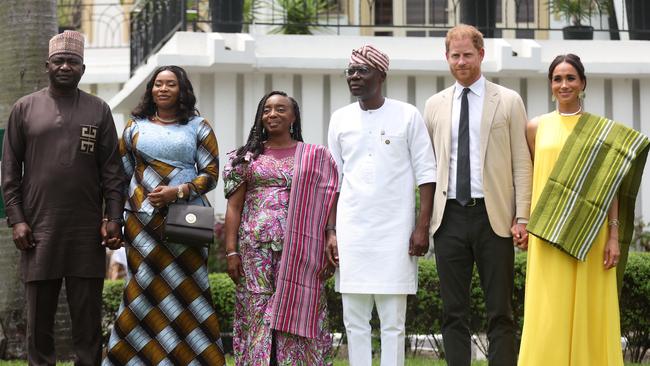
188, 224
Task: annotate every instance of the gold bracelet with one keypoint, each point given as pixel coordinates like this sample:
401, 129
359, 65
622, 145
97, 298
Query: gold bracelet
613, 222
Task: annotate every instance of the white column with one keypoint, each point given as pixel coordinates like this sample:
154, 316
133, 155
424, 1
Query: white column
510, 83
449, 81
397, 87
595, 96
282, 82
425, 86
204, 91
120, 121
219, 105
622, 103
538, 97
312, 109
339, 92
107, 90
644, 191
253, 92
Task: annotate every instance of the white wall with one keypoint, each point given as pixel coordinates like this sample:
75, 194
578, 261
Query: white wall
232, 72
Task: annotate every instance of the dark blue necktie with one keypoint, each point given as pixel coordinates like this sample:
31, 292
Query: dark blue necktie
463, 189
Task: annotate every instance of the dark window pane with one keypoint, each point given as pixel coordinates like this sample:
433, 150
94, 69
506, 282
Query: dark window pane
499, 11
416, 33
384, 34
438, 10
415, 12
438, 33
525, 10
525, 33
383, 12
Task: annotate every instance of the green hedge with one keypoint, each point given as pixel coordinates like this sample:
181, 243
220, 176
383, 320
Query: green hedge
635, 306
424, 312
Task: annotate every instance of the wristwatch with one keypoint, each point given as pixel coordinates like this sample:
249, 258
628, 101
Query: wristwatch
179, 194
117, 220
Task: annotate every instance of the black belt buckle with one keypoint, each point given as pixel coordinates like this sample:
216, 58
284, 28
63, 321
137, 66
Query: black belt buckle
472, 202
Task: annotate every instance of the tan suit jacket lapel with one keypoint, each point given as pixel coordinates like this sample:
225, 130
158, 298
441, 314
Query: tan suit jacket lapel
490, 103
445, 128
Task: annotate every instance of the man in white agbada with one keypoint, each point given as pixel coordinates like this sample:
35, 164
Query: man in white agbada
383, 152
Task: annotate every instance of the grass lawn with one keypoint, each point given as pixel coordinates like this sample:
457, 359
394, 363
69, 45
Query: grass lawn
338, 362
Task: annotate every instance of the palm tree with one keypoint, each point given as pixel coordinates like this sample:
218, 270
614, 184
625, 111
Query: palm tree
26, 26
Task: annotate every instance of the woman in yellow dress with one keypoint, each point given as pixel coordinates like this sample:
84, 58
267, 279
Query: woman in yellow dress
571, 314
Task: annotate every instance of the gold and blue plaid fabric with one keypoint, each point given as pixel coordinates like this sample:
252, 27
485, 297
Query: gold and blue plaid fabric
167, 315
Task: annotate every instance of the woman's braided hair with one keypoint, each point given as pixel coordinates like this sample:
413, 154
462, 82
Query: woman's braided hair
257, 135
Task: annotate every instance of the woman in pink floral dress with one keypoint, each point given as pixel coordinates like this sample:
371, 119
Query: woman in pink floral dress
279, 193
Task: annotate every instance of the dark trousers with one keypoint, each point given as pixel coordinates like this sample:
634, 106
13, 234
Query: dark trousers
85, 305
465, 237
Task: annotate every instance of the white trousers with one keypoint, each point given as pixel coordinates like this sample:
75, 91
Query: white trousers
357, 312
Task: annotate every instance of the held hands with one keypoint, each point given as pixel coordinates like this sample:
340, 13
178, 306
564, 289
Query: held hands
111, 233
162, 195
23, 238
419, 242
612, 253
235, 268
519, 235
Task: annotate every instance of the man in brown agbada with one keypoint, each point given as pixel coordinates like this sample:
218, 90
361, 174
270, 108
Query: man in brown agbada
62, 183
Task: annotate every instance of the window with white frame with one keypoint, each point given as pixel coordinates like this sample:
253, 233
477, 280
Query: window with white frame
431, 18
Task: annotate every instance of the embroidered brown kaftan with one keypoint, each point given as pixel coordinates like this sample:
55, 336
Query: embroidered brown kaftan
60, 170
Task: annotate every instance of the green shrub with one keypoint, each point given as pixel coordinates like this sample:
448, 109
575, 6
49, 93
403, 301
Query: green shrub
223, 297
424, 310
112, 297
635, 306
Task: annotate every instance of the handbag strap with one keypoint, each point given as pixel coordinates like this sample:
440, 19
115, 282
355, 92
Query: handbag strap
204, 200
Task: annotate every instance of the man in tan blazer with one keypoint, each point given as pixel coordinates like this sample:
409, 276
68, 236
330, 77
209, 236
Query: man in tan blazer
482, 198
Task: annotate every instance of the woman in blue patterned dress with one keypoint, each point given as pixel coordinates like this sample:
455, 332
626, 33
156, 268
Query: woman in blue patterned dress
169, 153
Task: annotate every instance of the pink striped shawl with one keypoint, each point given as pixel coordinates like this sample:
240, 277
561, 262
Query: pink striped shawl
298, 287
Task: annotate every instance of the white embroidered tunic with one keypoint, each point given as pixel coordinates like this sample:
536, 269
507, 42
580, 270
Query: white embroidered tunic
382, 155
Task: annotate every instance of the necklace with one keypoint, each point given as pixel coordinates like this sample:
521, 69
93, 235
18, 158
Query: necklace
571, 113
292, 144
164, 120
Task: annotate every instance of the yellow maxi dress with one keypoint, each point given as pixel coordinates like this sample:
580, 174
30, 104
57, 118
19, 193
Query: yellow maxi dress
571, 315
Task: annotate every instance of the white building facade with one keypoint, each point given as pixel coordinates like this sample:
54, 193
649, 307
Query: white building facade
231, 72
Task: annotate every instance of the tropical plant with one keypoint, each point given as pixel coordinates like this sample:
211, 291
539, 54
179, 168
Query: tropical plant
69, 14
251, 10
299, 16
575, 11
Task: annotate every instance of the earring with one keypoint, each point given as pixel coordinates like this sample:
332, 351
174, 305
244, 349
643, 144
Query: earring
552, 97
291, 129
582, 95
263, 131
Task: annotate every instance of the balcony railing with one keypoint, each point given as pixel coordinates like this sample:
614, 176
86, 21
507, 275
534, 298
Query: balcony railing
105, 23
154, 22
152, 25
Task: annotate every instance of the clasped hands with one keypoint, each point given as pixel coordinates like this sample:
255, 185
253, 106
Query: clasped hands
161, 196
519, 235
111, 232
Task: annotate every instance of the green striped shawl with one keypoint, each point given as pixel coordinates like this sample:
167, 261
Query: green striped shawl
600, 160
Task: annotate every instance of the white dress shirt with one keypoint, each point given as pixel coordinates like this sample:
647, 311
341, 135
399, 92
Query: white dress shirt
475, 99
381, 156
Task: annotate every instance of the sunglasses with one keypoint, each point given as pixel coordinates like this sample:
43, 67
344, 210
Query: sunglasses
361, 70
